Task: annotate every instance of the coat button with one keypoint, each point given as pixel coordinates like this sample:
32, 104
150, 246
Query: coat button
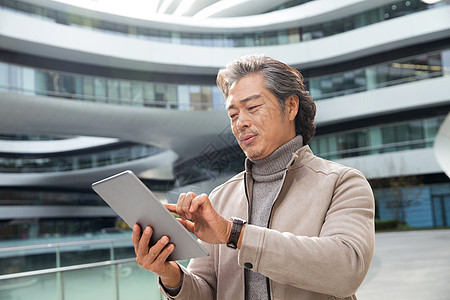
248, 265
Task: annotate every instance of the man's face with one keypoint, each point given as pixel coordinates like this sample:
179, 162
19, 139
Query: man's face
257, 120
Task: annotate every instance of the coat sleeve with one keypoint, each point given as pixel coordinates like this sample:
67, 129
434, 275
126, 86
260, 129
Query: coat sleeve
199, 280
337, 260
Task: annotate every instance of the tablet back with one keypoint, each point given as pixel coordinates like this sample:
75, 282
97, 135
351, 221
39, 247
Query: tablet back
128, 196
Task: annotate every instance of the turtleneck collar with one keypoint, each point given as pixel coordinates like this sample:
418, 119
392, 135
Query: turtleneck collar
277, 160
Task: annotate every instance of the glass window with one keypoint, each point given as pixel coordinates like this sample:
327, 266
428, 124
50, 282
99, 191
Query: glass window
402, 136
323, 146
218, 101
29, 81
88, 86
183, 97
314, 145
375, 139
3, 76
137, 93
348, 24
445, 61
294, 35
416, 134
332, 147
195, 96
125, 91
78, 87
330, 28
100, 89
15, 77
172, 96
149, 94
431, 127
283, 37
113, 90
160, 95
388, 134
41, 82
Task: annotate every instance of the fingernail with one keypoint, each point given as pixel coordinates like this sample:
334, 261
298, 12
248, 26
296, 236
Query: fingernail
147, 230
171, 246
164, 240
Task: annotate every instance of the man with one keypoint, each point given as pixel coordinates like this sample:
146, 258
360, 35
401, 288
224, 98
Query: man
309, 231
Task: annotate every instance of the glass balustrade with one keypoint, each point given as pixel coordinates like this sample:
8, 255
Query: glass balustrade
413, 134
79, 87
42, 163
78, 269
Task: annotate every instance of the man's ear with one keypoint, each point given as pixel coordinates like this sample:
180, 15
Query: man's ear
291, 106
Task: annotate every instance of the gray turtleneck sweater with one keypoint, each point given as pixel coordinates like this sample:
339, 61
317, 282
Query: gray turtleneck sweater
267, 174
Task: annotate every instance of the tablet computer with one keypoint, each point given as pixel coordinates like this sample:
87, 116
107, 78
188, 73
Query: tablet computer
130, 198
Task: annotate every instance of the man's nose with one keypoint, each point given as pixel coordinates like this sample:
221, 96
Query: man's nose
243, 122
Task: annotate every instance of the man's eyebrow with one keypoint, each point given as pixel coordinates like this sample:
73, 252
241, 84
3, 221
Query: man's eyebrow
249, 98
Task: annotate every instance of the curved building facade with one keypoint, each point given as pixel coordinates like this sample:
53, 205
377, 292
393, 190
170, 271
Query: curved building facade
88, 92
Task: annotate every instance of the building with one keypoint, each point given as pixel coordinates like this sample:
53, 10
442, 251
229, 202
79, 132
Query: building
88, 91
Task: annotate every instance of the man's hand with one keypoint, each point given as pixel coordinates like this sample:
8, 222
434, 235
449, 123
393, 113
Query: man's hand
200, 218
154, 258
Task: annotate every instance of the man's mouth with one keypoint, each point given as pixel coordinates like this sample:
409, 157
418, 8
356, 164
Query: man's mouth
248, 138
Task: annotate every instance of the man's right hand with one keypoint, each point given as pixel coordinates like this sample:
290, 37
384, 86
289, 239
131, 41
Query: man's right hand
154, 258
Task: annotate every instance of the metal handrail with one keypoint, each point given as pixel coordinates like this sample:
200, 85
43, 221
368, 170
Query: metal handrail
63, 244
65, 269
377, 86
377, 147
105, 99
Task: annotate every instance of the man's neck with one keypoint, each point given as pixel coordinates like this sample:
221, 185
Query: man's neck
278, 159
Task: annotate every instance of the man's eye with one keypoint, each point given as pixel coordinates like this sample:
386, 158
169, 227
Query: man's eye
252, 107
232, 116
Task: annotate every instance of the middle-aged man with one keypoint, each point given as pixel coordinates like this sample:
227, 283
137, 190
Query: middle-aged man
308, 231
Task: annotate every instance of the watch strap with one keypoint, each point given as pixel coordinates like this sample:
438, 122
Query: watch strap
235, 232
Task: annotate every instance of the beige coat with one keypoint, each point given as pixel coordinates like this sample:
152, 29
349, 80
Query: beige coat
318, 245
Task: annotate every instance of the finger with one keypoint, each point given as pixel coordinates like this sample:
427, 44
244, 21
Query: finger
171, 207
136, 237
197, 202
162, 257
144, 242
156, 250
179, 209
186, 205
188, 225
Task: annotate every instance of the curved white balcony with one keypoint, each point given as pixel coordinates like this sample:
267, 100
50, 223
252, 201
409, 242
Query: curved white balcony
226, 19
391, 99
152, 167
394, 164
54, 146
18, 33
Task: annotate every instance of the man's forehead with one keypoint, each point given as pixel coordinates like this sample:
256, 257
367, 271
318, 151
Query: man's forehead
232, 102
250, 87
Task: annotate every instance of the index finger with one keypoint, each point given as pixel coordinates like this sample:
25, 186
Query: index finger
172, 208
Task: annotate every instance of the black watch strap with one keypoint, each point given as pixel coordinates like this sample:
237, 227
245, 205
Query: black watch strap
235, 232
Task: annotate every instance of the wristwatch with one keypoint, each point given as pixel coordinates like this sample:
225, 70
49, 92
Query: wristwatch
235, 232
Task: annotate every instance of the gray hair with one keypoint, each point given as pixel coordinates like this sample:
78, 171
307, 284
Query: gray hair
281, 80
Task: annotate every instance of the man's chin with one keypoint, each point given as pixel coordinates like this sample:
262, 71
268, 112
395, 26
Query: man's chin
254, 155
